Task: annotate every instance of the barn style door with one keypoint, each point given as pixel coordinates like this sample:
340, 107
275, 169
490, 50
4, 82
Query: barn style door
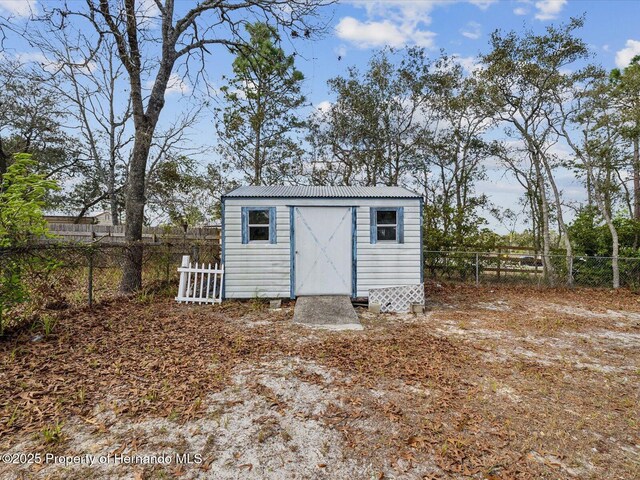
322, 250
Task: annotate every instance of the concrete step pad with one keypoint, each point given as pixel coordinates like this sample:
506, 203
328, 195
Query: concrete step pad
333, 312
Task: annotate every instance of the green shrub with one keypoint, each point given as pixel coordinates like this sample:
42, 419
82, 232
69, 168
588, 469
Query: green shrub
22, 194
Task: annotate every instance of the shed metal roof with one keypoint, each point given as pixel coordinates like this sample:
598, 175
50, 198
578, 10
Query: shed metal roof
320, 192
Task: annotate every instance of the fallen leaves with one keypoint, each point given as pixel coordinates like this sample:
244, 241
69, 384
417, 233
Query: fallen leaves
406, 397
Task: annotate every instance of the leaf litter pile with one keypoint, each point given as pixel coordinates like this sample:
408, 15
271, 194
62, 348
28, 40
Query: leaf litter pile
489, 383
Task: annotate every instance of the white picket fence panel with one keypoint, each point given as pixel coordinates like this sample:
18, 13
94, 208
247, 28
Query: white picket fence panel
200, 284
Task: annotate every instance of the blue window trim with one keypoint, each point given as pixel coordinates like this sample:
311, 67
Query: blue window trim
373, 222
244, 213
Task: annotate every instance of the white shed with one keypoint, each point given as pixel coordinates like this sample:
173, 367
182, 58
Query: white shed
280, 242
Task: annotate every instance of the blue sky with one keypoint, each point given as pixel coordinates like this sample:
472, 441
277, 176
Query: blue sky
462, 28
459, 27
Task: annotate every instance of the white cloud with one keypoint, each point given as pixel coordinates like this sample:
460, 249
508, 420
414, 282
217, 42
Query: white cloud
468, 64
482, 4
37, 57
549, 9
400, 11
624, 56
19, 8
177, 85
395, 22
377, 34
524, 8
472, 31
148, 14
563, 151
499, 186
53, 65
324, 106
340, 51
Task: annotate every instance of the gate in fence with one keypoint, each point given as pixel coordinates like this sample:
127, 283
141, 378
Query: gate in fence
200, 284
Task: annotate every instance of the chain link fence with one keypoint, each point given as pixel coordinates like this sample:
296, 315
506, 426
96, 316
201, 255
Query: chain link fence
49, 277
531, 269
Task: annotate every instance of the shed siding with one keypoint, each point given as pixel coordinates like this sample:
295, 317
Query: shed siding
264, 269
256, 269
388, 264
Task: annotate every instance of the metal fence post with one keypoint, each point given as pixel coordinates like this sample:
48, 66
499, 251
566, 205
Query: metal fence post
90, 285
477, 271
571, 271
167, 266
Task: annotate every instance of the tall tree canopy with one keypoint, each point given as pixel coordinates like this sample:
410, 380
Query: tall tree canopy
626, 98
31, 121
372, 133
523, 76
455, 154
262, 99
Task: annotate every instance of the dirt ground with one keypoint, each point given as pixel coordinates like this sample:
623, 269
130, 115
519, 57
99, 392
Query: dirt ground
488, 383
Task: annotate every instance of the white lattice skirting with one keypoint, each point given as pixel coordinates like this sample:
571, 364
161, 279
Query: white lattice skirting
397, 299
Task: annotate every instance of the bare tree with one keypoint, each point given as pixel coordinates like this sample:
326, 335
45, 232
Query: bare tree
153, 41
92, 90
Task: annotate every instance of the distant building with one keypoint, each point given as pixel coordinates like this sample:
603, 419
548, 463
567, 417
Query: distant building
103, 218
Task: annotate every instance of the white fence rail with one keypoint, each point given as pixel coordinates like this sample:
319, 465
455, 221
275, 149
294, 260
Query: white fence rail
200, 284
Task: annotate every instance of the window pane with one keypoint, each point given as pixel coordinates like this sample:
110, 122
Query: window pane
386, 217
258, 233
386, 233
260, 217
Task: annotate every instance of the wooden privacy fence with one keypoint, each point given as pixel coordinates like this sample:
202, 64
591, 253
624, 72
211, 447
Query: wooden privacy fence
200, 284
110, 234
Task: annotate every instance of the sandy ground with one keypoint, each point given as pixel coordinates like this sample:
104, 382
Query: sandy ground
488, 383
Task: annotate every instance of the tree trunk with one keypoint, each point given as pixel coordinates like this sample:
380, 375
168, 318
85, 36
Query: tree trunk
605, 210
614, 235
636, 178
4, 160
134, 208
549, 270
614, 254
111, 185
257, 163
113, 205
636, 188
563, 227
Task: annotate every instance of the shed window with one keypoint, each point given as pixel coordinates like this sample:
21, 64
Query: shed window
387, 225
258, 224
